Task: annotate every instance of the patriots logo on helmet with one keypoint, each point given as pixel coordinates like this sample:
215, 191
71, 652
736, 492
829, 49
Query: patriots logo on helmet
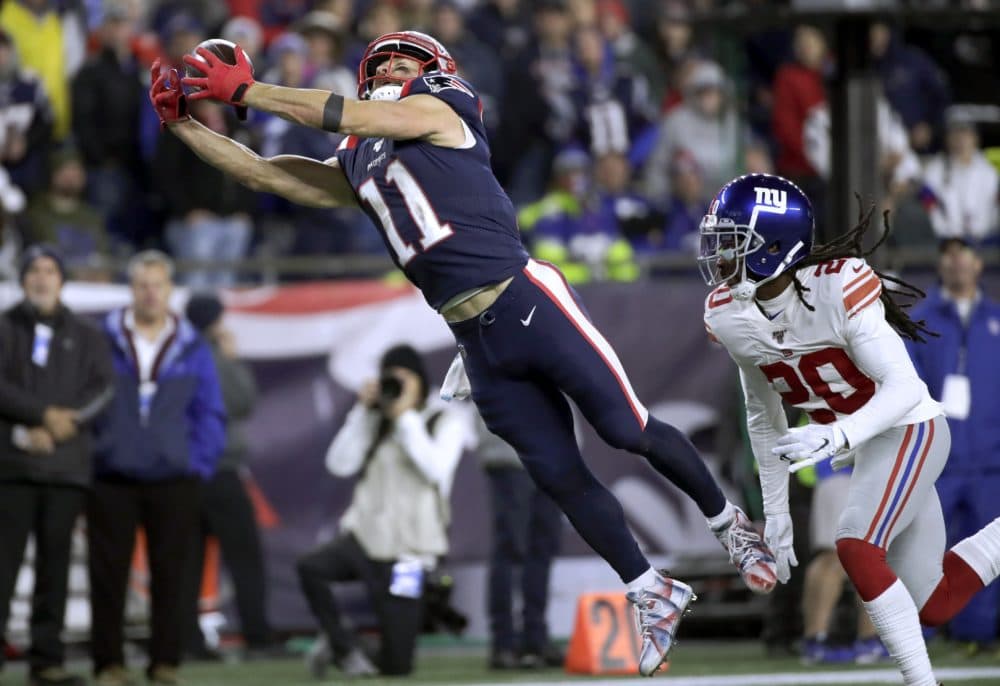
439, 82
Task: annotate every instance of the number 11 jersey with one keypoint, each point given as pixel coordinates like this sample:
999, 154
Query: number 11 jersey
805, 354
442, 213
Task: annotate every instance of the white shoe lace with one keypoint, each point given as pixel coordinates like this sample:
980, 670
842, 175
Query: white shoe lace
741, 541
645, 627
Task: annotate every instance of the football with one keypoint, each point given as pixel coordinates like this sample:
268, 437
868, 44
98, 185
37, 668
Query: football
226, 51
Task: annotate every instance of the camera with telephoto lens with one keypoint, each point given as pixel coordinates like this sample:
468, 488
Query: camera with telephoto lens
389, 389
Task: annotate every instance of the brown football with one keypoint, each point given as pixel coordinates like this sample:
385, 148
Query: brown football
225, 50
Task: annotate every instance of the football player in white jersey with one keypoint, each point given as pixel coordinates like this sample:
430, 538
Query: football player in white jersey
812, 325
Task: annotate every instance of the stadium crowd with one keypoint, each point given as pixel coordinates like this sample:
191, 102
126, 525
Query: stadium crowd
612, 122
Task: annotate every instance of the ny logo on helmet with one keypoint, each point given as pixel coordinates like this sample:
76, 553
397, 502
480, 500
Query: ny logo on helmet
772, 197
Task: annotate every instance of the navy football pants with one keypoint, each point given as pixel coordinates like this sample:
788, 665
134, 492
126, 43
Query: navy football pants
531, 346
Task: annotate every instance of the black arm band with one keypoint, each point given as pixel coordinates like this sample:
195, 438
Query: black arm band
333, 110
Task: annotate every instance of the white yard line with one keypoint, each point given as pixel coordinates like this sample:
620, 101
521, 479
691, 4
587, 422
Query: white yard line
868, 676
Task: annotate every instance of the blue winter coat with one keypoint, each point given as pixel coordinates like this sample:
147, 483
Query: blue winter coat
975, 441
183, 433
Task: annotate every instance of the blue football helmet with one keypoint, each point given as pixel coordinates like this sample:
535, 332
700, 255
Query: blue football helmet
757, 227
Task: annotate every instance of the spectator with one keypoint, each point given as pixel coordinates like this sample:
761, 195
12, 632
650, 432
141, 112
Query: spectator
324, 37
584, 231
287, 56
544, 116
202, 13
502, 25
208, 211
276, 16
675, 49
707, 125
800, 93
961, 186
527, 528
476, 62
160, 439
687, 205
226, 510
418, 15
899, 166
381, 18
179, 35
25, 120
394, 532
613, 103
914, 86
247, 33
63, 217
52, 360
107, 100
960, 369
10, 237
631, 53
40, 36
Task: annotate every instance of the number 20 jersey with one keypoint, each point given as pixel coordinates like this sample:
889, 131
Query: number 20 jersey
805, 354
444, 217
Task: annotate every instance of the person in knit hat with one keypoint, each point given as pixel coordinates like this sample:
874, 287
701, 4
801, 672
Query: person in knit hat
55, 378
226, 509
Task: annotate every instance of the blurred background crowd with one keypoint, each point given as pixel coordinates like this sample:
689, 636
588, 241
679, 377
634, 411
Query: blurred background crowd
613, 122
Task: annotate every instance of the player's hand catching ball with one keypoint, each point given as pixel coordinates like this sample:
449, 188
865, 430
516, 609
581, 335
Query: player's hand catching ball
167, 96
214, 77
778, 537
813, 441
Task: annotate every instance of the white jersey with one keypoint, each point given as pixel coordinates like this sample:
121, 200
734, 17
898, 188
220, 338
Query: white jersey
839, 362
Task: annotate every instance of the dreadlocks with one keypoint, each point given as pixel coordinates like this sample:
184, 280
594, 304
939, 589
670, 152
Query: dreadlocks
850, 244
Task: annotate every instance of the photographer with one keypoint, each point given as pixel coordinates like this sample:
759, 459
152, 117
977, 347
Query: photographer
395, 528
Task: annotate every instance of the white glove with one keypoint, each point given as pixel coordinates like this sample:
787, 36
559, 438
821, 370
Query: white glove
456, 384
843, 460
778, 537
811, 442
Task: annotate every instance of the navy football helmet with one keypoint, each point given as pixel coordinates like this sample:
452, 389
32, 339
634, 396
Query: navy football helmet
757, 227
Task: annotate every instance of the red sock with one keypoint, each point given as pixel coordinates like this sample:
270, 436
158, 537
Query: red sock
959, 584
866, 567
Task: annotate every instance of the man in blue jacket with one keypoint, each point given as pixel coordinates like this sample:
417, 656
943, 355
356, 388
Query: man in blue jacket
162, 436
961, 371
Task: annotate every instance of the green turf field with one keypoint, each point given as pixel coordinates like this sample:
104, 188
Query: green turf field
695, 664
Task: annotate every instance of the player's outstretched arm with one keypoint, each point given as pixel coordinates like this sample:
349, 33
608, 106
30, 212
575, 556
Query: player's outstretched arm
300, 179
418, 116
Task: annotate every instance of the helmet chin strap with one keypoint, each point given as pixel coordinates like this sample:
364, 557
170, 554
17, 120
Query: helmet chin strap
746, 289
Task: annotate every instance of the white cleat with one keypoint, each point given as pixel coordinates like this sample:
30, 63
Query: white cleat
749, 553
658, 612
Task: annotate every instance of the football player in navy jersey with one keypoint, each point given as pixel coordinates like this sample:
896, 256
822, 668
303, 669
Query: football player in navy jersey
416, 159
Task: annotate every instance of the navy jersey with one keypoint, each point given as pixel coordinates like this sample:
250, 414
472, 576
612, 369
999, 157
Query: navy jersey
443, 215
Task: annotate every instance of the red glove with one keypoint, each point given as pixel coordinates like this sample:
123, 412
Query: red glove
167, 96
225, 82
